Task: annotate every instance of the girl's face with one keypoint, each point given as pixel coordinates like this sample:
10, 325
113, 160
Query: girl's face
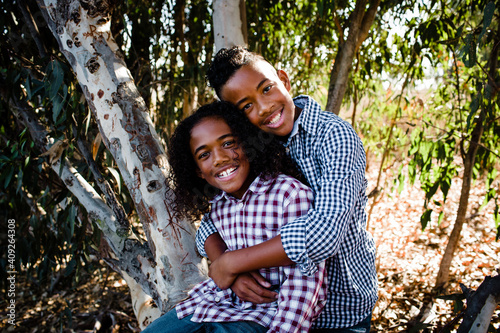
220, 158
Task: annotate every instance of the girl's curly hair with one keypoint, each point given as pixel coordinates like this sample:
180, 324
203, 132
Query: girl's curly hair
265, 153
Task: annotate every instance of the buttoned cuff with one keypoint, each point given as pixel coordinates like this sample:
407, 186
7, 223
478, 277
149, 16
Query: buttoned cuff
293, 238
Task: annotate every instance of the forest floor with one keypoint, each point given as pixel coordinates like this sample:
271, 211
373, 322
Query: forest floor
407, 263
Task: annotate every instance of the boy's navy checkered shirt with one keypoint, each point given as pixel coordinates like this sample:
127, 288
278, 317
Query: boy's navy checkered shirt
332, 158
258, 216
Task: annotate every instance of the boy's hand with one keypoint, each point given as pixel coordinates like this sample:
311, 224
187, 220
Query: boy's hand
251, 287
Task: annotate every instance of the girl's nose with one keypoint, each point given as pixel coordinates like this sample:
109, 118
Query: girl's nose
220, 156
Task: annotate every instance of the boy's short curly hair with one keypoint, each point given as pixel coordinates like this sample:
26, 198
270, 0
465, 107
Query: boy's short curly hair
266, 155
226, 62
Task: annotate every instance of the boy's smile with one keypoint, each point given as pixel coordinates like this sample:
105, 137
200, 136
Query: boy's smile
263, 94
220, 158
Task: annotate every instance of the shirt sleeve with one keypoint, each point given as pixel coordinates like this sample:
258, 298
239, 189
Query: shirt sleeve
300, 298
206, 229
339, 163
297, 202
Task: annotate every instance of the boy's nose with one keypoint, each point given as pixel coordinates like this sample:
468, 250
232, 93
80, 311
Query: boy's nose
265, 109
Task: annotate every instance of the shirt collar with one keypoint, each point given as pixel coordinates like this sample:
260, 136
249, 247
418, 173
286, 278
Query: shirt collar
260, 185
308, 119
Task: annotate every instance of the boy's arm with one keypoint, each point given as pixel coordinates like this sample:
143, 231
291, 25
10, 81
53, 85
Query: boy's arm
264, 255
338, 216
250, 286
229, 265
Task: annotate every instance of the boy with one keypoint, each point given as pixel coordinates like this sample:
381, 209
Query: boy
331, 156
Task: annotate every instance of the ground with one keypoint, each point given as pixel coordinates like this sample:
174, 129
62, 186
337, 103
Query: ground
407, 263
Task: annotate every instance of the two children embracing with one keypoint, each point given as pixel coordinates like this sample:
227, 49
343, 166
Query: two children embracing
266, 250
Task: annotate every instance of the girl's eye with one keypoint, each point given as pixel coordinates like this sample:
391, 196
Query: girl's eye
228, 143
267, 88
202, 155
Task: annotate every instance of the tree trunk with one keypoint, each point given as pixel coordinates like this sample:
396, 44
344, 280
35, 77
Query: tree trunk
230, 23
360, 23
469, 159
481, 305
168, 265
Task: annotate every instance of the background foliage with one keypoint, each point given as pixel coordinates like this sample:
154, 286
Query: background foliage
426, 77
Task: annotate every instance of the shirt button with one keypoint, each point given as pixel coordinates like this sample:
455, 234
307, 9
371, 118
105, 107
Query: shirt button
217, 299
240, 242
240, 205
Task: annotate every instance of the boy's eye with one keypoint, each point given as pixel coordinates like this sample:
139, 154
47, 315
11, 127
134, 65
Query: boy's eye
246, 107
267, 88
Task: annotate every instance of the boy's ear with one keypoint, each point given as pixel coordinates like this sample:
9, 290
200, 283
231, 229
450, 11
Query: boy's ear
283, 76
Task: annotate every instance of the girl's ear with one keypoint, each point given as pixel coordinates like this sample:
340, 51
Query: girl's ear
198, 173
283, 76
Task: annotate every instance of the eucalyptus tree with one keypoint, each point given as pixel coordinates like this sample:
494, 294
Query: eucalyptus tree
49, 103
461, 39
456, 133
94, 83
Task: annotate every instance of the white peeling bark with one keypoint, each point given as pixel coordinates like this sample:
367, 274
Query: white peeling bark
483, 319
143, 305
229, 17
82, 29
129, 257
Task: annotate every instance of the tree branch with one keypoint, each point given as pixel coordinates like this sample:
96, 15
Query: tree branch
367, 22
103, 184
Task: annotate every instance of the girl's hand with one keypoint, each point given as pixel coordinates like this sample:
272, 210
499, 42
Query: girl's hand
251, 287
220, 271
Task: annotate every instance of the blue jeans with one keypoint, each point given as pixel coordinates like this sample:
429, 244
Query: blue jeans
169, 323
361, 327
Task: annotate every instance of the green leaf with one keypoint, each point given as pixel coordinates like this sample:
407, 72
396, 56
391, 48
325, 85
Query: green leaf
8, 178
440, 218
425, 218
70, 267
53, 79
488, 16
27, 86
71, 220
496, 216
19, 180
474, 106
58, 103
469, 57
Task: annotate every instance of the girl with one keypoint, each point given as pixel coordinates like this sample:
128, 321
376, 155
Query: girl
227, 169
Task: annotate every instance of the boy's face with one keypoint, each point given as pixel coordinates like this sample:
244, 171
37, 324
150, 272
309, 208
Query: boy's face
220, 159
263, 94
